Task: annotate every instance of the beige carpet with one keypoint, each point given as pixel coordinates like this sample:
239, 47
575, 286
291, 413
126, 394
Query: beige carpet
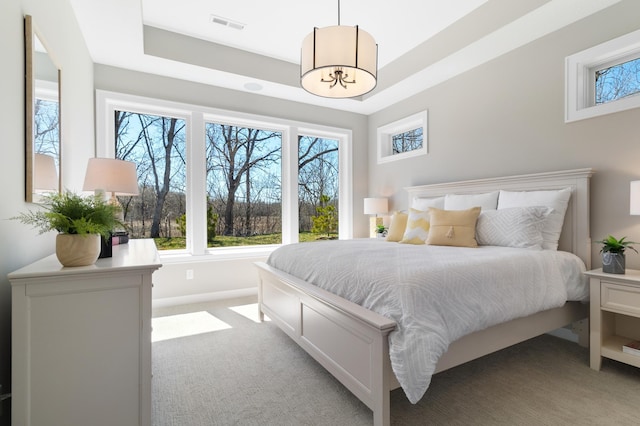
236, 371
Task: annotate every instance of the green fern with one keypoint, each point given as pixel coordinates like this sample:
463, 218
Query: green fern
70, 213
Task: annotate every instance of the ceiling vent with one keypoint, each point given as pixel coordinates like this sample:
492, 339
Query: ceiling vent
226, 22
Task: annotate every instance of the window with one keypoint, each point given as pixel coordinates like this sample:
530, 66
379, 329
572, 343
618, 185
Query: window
318, 188
156, 144
408, 141
617, 81
244, 203
213, 180
403, 139
603, 79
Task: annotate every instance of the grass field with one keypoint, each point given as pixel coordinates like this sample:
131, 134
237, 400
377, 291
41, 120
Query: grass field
177, 243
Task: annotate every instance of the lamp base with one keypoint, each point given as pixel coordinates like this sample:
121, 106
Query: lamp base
374, 222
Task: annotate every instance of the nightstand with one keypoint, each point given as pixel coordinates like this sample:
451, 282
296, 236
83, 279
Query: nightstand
614, 315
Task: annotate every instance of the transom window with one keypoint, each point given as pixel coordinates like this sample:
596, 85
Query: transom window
617, 81
407, 141
603, 79
404, 138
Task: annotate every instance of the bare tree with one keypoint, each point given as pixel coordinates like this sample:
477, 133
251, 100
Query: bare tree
232, 152
407, 141
317, 177
156, 145
617, 82
46, 123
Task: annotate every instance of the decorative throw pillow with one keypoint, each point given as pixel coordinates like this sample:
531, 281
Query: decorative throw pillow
397, 226
417, 228
555, 199
453, 227
487, 201
519, 227
424, 203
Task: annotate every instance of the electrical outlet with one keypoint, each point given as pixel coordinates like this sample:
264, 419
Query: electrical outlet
189, 274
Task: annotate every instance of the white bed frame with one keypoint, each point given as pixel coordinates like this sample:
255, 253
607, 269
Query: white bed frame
351, 341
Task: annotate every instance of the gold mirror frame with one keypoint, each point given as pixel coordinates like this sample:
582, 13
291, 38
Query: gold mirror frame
43, 171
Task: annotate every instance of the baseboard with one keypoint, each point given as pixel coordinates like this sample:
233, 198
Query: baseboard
203, 297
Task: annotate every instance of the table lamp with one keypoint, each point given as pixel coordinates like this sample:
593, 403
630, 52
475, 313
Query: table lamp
118, 177
374, 207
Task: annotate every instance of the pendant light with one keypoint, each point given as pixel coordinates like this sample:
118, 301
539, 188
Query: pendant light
339, 61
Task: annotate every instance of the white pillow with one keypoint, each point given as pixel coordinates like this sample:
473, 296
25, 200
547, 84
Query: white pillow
487, 201
424, 203
519, 227
555, 199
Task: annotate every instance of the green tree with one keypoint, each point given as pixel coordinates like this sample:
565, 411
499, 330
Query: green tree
212, 224
325, 221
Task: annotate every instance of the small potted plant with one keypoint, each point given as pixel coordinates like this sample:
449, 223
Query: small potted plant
80, 222
381, 231
613, 257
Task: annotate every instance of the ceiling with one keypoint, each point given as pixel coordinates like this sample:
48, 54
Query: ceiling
420, 42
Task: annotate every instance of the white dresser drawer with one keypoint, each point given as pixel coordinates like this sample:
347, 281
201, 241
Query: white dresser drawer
620, 298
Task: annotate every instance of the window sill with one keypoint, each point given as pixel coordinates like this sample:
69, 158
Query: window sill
217, 254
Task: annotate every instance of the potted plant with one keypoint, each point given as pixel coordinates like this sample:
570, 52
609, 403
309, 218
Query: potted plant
80, 221
613, 257
381, 231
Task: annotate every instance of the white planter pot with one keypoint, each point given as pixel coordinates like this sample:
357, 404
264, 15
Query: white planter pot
77, 250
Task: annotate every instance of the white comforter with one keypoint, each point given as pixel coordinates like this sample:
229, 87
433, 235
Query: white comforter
435, 294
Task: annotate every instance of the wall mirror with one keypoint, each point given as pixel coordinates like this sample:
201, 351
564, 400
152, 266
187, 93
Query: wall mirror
42, 127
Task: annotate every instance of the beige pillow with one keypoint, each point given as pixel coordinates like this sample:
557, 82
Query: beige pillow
417, 228
453, 227
397, 226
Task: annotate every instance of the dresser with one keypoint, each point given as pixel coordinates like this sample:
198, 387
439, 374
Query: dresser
81, 340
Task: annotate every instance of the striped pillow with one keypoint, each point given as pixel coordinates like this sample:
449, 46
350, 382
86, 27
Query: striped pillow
417, 229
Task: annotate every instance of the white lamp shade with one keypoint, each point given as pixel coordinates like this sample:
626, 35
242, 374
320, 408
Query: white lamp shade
353, 50
45, 174
634, 198
376, 205
111, 175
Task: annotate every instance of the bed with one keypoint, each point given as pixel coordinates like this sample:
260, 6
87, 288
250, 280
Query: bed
352, 342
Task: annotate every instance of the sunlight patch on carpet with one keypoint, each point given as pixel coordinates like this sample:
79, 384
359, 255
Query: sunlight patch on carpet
249, 311
174, 326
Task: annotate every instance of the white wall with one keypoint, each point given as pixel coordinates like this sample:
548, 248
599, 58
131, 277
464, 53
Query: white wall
507, 117
21, 245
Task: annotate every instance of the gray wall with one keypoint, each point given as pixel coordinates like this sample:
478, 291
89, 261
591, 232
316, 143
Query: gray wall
21, 245
223, 278
507, 117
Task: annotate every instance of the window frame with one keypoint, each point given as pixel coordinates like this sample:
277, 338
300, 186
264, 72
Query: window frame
580, 71
195, 117
385, 137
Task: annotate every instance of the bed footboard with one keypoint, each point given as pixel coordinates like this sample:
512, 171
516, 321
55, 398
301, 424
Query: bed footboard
348, 340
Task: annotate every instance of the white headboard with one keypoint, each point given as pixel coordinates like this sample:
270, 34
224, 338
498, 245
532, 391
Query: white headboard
576, 234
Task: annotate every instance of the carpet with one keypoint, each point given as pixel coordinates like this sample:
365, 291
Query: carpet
237, 371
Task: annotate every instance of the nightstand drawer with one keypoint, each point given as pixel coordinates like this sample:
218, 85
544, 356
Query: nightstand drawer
622, 298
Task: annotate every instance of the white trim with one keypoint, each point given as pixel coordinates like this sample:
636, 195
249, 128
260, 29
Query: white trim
203, 297
579, 96
386, 132
195, 117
